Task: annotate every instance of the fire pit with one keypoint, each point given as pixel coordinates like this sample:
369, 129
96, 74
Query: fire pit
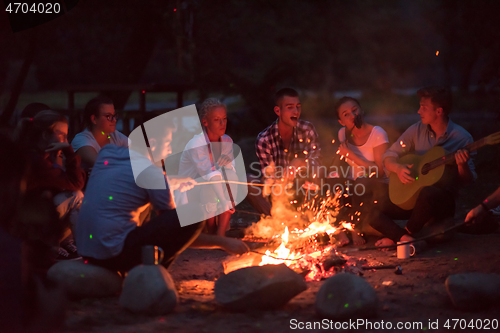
301, 238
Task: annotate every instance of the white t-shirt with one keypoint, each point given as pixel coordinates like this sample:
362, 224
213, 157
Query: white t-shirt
86, 138
197, 161
377, 137
113, 203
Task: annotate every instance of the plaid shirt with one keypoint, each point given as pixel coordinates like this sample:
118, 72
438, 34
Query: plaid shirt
269, 145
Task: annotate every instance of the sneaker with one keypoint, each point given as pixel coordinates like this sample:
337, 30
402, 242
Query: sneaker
62, 254
496, 211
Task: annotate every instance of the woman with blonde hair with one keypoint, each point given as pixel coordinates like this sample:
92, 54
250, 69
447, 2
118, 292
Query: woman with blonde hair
209, 155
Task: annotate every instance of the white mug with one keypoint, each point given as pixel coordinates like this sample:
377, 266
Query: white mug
405, 251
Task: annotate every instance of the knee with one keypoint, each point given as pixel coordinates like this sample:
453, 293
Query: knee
431, 195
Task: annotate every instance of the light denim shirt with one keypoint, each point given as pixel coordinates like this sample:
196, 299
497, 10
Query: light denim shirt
419, 138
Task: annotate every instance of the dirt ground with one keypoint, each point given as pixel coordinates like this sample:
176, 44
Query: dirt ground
418, 295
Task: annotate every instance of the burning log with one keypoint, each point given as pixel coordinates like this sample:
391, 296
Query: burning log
234, 263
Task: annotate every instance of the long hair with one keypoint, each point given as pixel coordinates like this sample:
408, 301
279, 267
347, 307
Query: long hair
33, 133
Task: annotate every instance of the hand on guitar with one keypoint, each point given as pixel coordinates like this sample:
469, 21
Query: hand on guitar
462, 157
404, 173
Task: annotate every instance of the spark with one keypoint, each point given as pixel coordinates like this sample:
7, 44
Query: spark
333, 141
437, 53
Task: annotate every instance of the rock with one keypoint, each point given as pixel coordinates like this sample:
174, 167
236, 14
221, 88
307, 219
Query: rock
149, 289
258, 287
346, 295
473, 291
85, 280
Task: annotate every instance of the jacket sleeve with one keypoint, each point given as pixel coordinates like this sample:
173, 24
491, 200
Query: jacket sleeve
71, 179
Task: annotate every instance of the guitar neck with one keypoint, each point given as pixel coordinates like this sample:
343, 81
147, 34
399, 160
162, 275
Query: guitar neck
449, 158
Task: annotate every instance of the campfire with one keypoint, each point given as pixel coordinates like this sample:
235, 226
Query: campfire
300, 237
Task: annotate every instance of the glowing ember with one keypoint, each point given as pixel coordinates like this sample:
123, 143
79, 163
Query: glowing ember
301, 237
348, 226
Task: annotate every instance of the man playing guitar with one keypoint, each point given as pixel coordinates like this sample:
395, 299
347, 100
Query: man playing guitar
434, 203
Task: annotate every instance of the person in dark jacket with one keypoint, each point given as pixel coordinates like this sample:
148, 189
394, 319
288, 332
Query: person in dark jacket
56, 172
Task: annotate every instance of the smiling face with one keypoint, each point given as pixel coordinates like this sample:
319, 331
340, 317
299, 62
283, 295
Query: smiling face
288, 110
101, 122
215, 122
428, 112
347, 113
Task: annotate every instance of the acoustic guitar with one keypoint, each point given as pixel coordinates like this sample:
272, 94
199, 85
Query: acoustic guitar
427, 170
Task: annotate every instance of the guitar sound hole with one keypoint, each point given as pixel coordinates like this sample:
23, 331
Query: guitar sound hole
425, 169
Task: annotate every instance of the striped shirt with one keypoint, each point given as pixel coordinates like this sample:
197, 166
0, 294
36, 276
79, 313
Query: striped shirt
270, 148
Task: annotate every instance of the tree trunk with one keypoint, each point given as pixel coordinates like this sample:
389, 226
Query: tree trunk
18, 84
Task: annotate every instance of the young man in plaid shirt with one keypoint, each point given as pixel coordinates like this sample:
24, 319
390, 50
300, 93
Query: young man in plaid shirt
282, 147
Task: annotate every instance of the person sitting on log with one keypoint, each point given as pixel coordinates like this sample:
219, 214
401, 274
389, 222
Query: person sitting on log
109, 231
198, 161
361, 146
56, 172
435, 203
99, 118
287, 143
